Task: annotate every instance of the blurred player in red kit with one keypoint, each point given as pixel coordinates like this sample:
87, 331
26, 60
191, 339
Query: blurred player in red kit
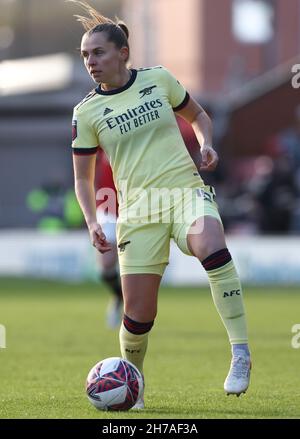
107, 213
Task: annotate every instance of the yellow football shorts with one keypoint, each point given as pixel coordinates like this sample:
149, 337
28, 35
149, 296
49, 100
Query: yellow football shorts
144, 247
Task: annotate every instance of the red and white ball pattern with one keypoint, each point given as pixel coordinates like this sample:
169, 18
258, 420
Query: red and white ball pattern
114, 384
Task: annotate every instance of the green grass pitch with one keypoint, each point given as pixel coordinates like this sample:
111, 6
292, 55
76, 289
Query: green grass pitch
55, 333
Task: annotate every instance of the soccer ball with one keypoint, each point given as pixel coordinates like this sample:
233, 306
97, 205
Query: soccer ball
114, 384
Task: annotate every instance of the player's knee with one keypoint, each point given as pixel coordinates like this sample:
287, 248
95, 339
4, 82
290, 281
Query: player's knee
204, 248
135, 327
207, 240
139, 310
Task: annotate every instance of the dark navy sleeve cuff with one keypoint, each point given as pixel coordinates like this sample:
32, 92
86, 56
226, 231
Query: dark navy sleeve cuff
183, 103
85, 151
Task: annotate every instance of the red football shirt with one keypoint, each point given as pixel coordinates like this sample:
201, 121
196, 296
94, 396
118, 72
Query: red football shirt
104, 185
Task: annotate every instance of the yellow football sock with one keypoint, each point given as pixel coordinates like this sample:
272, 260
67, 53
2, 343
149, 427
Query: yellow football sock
227, 295
133, 346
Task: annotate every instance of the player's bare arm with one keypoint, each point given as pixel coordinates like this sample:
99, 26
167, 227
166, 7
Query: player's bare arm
202, 125
84, 174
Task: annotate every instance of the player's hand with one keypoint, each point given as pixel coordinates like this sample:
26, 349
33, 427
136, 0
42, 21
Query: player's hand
98, 238
209, 158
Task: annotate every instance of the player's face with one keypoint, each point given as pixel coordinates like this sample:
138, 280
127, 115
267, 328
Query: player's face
102, 58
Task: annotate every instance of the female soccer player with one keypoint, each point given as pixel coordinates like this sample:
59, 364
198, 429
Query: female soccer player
160, 192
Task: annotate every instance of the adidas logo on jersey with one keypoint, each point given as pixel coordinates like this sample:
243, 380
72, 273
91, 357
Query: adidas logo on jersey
107, 111
147, 91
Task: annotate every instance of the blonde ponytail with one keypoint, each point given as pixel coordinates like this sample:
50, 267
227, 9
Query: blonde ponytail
94, 19
116, 31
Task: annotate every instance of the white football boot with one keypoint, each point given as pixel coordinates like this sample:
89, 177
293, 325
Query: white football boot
140, 404
238, 377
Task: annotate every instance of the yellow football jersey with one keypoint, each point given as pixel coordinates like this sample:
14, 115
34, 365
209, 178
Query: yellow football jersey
136, 127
